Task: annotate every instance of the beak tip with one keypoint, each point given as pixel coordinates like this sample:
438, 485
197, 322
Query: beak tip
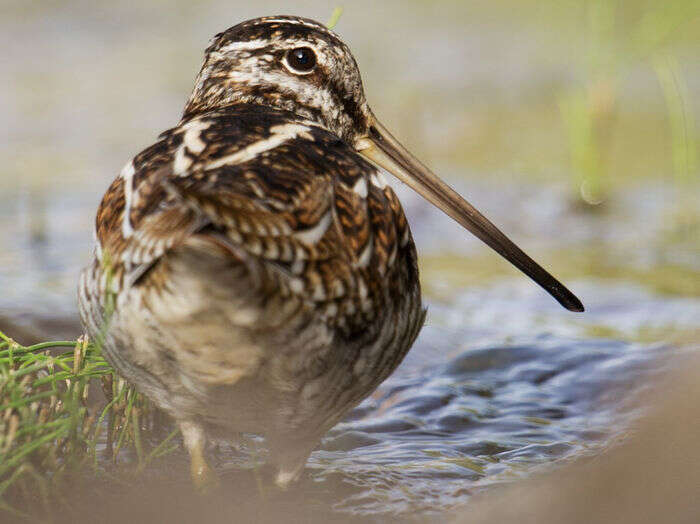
565, 297
573, 304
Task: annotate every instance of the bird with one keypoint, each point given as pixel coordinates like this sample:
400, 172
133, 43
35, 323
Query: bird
253, 270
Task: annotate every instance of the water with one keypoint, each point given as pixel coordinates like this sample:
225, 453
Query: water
471, 407
501, 382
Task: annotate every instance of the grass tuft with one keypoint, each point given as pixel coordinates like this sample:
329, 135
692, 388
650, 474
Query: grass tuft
63, 410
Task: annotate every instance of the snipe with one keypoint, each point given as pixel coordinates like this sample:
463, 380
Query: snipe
263, 273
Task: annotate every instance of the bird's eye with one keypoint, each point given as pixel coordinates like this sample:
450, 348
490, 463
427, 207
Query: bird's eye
301, 60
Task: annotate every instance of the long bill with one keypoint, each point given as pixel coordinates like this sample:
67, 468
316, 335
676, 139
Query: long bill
385, 151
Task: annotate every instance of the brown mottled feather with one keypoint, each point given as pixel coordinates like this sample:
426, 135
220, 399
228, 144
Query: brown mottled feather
260, 210
265, 278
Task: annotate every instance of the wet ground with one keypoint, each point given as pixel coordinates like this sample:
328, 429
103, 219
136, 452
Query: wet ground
501, 382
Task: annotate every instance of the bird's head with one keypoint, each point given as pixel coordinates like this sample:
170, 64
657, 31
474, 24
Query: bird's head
288, 63
299, 65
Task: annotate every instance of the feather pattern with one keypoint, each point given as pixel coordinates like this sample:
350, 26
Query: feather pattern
265, 279
287, 224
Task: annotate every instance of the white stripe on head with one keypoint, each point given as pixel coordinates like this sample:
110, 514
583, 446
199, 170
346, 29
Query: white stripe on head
293, 21
249, 45
275, 45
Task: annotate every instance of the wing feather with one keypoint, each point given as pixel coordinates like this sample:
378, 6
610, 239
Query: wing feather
270, 191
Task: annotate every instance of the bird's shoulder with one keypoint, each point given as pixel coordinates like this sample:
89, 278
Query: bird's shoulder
263, 184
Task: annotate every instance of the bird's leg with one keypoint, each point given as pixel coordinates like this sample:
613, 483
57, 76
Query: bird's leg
289, 473
290, 461
203, 477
